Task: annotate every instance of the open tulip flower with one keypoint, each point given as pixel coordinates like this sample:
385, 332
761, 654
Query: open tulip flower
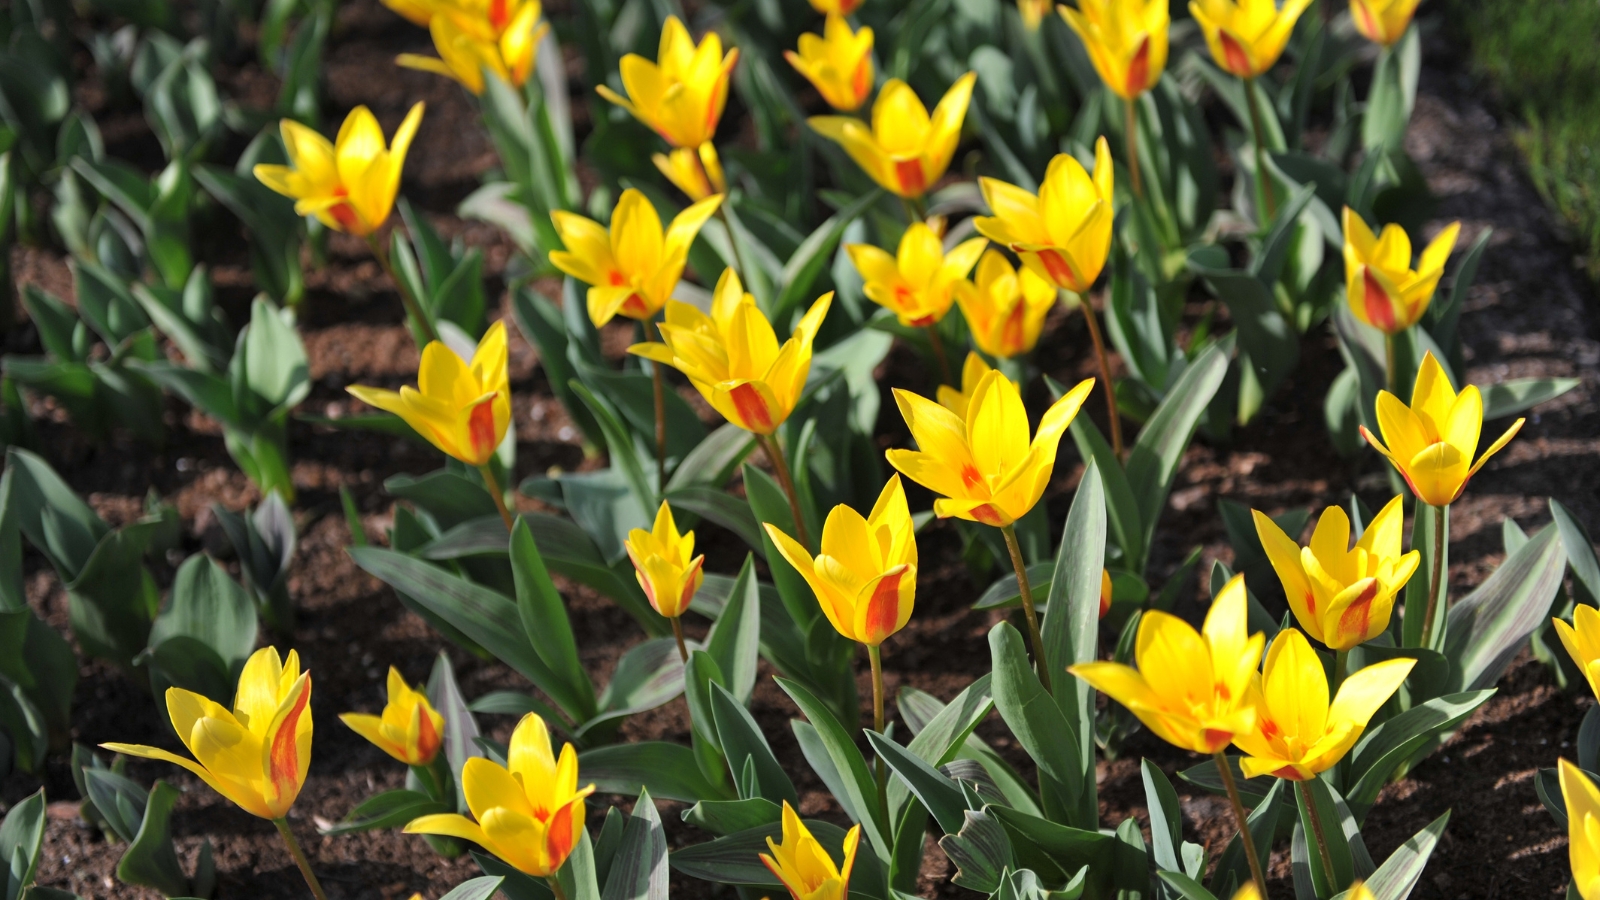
1431, 442
633, 267
1383, 22
256, 755
1126, 40
1191, 688
409, 730
983, 466
972, 372
865, 578
667, 569
1382, 288
529, 813
1582, 640
838, 64
349, 184
906, 150
1005, 307
918, 284
697, 172
501, 36
732, 357
463, 408
804, 867
681, 95
1583, 829
1064, 233
1341, 596
1246, 37
1297, 732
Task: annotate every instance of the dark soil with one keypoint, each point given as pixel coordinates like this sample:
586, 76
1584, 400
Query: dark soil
1530, 313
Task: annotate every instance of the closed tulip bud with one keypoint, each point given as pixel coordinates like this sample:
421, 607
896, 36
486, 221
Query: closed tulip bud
1342, 596
1191, 689
409, 730
681, 95
1431, 442
665, 564
918, 284
696, 172
1126, 40
1105, 592
1380, 285
906, 150
632, 268
838, 64
502, 37
972, 372
983, 466
256, 754
349, 184
1583, 829
865, 578
1246, 37
1005, 307
463, 408
1297, 732
1582, 640
804, 867
1063, 233
529, 812
732, 357
1383, 22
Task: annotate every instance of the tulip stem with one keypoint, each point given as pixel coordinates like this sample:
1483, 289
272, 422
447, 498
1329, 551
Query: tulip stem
1105, 374
1242, 821
1034, 637
1341, 667
300, 859
658, 379
1310, 801
739, 268
1390, 372
493, 487
1263, 181
875, 656
428, 774
419, 321
1436, 586
781, 466
677, 632
555, 887
1131, 135
939, 354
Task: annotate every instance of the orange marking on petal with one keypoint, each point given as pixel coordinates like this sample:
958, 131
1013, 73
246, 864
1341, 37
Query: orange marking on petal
1270, 729
912, 180
970, 477
1311, 603
1139, 69
344, 213
634, 307
480, 429
498, 14
1060, 271
428, 738
1380, 309
616, 278
1355, 619
1223, 691
1234, 57
1217, 738
752, 408
1011, 333
1368, 25
558, 836
1289, 773
688, 584
285, 754
988, 516
861, 81
883, 608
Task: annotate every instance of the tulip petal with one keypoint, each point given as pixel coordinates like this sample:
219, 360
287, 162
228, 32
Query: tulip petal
1367, 689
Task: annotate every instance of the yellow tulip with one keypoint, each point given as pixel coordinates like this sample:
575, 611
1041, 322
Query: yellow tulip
906, 150
463, 409
1033, 12
350, 184
804, 867
1297, 733
1582, 640
409, 730
1064, 233
983, 466
1583, 829
1383, 21
972, 372
1380, 285
1005, 307
682, 93
633, 268
665, 564
1342, 597
838, 64
1246, 36
733, 358
918, 283
1192, 689
836, 7
1431, 442
530, 813
1105, 592
255, 755
418, 12
1126, 40
696, 172
865, 578
502, 36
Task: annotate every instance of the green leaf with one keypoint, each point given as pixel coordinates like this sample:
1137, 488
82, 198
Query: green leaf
1399, 874
666, 770
1186, 887
1510, 397
638, 871
1487, 629
119, 800
390, 809
620, 445
735, 638
736, 859
1346, 858
980, 851
721, 508
723, 817
808, 260
151, 859
1038, 724
460, 729
1393, 95
938, 793
1384, 748
1122, 510
450, 498
713, 461
481, 888
743, 744
212, 608
544, 617
1579, 548
1071, 625
1059, 851
647, 676
1166, 818
275, 364
860, 791
21, 837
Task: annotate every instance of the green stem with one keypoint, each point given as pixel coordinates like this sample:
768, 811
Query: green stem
1436, 586
939, 354
555, 887
428, 774
493, 487
1316, 826
1391, 370
739, 267
781, 466
658, 379
1131, 135
1263, 181
1242, 821
677, 632
1341, 667
300, 859
420, 323
875, 656
1104, 358
1034, 637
